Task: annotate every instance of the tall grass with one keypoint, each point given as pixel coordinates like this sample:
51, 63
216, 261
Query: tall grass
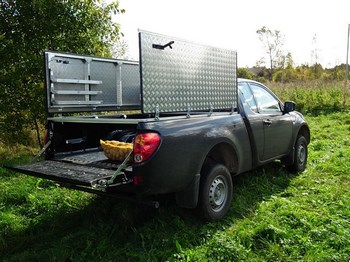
313, 97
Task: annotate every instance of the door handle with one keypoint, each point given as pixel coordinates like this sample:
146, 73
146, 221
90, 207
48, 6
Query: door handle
267, 122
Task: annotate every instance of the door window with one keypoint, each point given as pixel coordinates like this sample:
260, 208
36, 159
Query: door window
266, 102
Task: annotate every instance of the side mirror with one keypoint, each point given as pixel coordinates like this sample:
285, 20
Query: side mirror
289, 106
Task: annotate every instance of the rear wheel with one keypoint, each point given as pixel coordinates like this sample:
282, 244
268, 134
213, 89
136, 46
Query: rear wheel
300, 155
215, 193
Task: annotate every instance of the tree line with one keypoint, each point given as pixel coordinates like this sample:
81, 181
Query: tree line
291, 73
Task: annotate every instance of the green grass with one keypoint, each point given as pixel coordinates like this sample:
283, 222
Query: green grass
275, 215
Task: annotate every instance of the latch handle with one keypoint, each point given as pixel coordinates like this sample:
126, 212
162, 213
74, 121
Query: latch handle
162, 47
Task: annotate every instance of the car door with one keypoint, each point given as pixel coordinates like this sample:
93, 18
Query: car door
253, 121
277, 126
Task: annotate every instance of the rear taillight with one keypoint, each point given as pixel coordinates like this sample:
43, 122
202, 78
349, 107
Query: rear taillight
145, 145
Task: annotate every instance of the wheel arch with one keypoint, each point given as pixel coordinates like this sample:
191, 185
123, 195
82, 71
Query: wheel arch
225, 154
305, 132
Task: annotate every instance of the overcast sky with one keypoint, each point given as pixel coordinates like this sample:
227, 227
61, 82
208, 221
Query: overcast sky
233, 24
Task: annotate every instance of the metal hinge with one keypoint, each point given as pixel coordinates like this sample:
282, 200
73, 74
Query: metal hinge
157, 112
233, 108
41, 152
211, 109
188, 111
103, 183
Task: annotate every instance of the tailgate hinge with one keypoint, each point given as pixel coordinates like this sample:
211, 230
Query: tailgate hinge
103, 183
41, 152
157, 112
188, 115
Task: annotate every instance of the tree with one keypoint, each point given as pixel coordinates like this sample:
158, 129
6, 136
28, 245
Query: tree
289, 61
119, 49
314, 51
27, 28
245, 73
287, 72
273, 42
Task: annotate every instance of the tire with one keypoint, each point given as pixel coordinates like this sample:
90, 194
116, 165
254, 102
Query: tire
300, 156
215, 193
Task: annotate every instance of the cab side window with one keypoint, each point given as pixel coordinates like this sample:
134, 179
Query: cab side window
266, 102
247, 96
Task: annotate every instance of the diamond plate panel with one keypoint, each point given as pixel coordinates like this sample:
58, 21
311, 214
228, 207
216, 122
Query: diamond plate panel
187, 75
131, 84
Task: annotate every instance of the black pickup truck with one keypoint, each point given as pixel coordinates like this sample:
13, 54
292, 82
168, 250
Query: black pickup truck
192, 123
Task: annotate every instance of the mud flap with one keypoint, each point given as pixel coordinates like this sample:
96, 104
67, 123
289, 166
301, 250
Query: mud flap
289, 159
189, 197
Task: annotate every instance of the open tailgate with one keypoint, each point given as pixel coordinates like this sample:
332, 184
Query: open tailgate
81, 169
64, 172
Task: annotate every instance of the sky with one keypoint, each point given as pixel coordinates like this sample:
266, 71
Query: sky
309, 26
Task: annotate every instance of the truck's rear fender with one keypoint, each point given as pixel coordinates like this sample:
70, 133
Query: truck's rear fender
233, 151
187, 143
224, 153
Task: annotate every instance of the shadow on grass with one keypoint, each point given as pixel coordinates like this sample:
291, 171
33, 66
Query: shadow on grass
110, 230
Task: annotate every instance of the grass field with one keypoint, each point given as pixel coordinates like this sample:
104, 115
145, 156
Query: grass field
275, 215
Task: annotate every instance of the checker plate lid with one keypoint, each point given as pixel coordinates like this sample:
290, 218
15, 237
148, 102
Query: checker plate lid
178, 75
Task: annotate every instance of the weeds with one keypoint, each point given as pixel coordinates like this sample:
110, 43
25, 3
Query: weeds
315, 97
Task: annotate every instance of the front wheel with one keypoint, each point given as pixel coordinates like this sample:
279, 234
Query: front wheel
300, 155
215, 193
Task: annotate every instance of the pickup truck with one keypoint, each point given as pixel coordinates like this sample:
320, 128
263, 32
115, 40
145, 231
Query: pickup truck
193, 125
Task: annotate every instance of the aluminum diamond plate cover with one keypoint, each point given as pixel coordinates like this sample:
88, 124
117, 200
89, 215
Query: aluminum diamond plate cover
178, 75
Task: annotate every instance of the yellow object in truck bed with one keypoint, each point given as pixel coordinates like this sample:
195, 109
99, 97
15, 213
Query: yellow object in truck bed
116, 150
